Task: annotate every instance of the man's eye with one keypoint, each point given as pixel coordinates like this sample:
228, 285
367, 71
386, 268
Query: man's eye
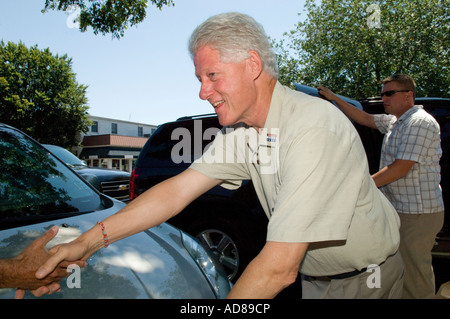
211, 75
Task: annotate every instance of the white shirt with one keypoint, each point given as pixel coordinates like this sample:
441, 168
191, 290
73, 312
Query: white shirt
415, 136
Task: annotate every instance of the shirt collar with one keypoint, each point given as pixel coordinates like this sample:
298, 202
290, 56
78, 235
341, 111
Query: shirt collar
273, 116
410, 112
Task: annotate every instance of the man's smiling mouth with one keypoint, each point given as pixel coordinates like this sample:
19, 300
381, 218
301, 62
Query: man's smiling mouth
217, 103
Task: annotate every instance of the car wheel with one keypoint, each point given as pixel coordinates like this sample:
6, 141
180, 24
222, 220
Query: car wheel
223, 247
235, 237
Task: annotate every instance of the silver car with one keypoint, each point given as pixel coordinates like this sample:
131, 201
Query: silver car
37, 190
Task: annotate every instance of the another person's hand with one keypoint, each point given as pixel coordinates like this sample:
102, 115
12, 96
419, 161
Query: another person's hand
326, 93
26, 264
63, 255
44, 290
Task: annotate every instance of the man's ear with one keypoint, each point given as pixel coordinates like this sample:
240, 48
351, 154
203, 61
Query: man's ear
255, 63
409, 96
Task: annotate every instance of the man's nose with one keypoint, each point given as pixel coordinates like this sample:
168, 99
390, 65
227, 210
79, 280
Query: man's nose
205, 90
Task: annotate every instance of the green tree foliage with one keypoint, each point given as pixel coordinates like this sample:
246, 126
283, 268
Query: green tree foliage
107, 16
351, 45
40, 96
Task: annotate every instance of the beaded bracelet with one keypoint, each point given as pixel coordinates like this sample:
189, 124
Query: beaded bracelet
105, 237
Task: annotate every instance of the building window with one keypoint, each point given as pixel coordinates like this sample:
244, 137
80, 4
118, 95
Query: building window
113, 128
94, 127
116, 164
140, 131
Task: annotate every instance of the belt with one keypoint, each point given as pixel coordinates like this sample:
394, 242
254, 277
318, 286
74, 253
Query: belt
339, 276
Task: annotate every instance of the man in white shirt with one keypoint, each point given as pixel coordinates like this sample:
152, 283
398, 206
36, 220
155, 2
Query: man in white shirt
409, 175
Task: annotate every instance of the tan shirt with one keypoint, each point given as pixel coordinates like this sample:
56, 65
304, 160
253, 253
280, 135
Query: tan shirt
310, 173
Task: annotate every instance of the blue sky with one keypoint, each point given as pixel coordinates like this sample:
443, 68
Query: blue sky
147, 76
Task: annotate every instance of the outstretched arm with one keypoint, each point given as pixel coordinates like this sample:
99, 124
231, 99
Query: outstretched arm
150, 209
357, 115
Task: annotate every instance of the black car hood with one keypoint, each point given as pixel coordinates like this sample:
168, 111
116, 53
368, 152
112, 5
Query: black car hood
103, 174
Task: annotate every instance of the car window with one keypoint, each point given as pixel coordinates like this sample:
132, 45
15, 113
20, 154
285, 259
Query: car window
65, 155
35, 186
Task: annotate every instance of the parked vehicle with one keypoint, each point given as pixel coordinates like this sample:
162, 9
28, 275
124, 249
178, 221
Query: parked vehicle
38, 190
111, 182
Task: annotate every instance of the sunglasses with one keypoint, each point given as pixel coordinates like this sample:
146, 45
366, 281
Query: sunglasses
390, 93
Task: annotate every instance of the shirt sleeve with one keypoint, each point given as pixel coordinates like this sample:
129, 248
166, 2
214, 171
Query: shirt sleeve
383, 122
223, 160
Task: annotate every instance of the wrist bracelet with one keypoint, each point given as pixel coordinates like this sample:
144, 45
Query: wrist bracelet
105, 237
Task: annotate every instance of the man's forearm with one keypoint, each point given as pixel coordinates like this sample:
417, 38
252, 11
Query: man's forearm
255, 283
158, 204
357, 115
398, 169
148, 210
274, 269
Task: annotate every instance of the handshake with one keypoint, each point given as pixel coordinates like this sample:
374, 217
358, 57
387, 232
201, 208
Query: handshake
35, 269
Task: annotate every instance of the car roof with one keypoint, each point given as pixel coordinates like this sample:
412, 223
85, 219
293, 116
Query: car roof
417, 99
314, 92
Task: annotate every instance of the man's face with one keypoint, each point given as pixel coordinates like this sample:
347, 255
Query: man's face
229, 87
399, 102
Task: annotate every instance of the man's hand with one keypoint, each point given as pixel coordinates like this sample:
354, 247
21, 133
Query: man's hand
20, 272
326, 93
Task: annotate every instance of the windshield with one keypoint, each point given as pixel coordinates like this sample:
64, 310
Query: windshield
35, 186
64, 155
